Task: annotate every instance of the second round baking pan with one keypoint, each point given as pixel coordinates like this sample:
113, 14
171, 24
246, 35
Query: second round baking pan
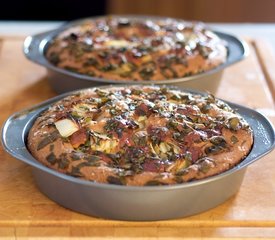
63, 80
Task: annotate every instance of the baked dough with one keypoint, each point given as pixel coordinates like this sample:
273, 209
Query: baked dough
117, 48
140, 135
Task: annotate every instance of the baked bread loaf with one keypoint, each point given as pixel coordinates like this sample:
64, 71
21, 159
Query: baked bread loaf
117, 48
140, 136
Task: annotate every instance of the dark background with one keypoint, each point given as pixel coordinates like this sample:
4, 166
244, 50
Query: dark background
202, 10
51, 9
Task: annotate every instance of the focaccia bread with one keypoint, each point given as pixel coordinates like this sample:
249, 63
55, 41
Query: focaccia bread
117, 48
140, 136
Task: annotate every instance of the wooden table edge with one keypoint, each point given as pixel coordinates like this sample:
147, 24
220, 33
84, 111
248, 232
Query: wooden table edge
265, 55
165, 224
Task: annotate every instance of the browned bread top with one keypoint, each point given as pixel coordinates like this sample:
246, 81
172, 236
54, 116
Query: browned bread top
119, 48
140, 136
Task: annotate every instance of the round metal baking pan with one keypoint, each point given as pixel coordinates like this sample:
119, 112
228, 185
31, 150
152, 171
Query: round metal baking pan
62, 80
135, 203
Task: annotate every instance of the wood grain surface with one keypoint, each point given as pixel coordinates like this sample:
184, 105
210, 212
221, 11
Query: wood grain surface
25, 213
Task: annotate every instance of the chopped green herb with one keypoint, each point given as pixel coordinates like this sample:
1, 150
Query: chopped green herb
115, 180
154, 183
48, 139
169, 72
63, 161
109, 67
103, 54
176, 97
182, 172
178, 179
206, 108
51, 147
205, 164
54, 58
92, 159
210, 98
218, 141
234, 139
214, 149
136, 92
76, 156
187, 74
234, 123
146, 73
91, 73
72, 69
76, 172
51, 158
140, 140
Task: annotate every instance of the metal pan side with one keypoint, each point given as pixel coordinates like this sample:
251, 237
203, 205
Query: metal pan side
138, 204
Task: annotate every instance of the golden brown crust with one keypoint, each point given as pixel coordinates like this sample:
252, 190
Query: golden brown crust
130, 49
140, 136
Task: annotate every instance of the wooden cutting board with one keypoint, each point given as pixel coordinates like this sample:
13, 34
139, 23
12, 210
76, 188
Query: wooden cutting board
25, 212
